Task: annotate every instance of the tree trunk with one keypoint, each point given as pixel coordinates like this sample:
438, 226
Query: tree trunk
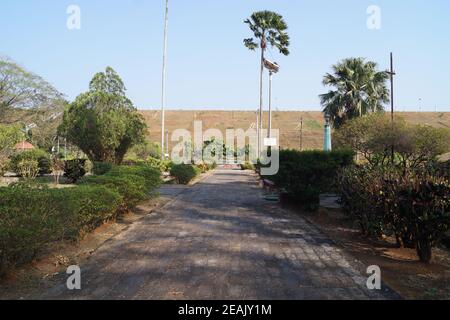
424, 250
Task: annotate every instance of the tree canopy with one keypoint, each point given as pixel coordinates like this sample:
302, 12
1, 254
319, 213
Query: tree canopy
268, 28
103, 122
373, 137
22, 89
359, 88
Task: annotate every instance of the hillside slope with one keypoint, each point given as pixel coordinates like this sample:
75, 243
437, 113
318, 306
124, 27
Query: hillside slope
288, 122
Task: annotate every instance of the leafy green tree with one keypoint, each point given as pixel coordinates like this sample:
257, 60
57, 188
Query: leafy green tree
22, 89
103, 123
269, 28
359, 88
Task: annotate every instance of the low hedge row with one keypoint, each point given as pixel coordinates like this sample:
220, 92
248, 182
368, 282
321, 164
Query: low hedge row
184, 173
32, 216
303, 176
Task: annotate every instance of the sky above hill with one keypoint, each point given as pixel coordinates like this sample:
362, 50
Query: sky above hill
208, 66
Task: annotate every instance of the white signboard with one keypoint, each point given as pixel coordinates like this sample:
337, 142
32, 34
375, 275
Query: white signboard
270, 142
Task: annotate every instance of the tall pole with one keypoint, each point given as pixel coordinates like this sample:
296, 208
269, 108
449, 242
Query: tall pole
257, 133
163, 87
263, 47
269, 133
392, 74
301, 134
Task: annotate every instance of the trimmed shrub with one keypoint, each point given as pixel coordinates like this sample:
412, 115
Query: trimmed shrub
184, 173
42, 157
152, 177
303, 176
162, 165
31, 218
74, 169
32, 215
133, 183
100, 168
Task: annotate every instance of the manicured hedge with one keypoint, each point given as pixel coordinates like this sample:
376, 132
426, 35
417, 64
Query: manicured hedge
100, 168
32, 216
303, 176
184, 173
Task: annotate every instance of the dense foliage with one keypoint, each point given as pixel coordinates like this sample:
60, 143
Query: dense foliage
9, 136
412, 205
184, 173
303, 176
359, 88
373, 137
74, 169
32, 216
103, 122
100, 168
40, 156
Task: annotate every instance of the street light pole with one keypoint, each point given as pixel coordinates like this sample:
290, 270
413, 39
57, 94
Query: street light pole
257, 134
269, 133
163, 86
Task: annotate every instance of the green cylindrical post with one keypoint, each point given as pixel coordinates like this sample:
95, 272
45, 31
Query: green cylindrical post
327, 137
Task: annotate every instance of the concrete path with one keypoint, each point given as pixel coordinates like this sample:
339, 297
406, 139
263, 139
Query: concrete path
219, 240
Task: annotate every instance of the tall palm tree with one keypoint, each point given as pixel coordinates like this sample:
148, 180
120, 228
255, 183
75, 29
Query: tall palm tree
268, 28
359, 89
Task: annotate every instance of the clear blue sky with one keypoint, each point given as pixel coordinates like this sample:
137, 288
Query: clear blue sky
208, 64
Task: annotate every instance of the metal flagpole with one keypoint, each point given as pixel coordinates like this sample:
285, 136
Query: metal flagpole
163, 87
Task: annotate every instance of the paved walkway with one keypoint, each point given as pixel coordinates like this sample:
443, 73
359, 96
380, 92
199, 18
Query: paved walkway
219, 240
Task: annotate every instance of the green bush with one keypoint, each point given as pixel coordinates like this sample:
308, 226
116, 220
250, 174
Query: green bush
152, 177
134, 183
184, 173
28, 169
32, 215
31, 218
162, 165
247, 166
42, 157
303, 176
100, 168
412, 205
74, 170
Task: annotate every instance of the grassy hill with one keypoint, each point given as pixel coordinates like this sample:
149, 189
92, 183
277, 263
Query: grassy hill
288, 122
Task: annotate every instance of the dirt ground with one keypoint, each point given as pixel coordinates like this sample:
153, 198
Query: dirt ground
401, 269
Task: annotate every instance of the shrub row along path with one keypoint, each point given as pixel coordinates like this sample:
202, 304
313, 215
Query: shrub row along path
220, 240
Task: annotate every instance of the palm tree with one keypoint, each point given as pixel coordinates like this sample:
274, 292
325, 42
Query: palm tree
268, 28
359, 89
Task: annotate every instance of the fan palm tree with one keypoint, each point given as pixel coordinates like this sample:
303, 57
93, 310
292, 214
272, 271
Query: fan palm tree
269, 28
359, 89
